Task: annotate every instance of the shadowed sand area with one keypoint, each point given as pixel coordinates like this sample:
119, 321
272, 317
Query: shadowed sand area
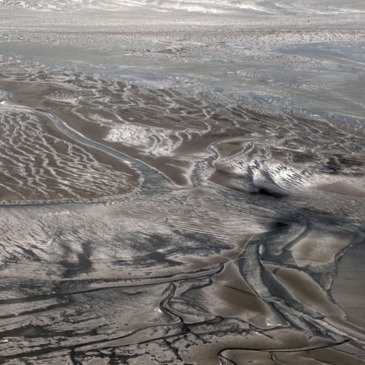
184, 184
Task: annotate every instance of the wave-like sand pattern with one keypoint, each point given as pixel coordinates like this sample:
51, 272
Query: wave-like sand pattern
199, 240
188, 139
197, 6
182, 182
38, 165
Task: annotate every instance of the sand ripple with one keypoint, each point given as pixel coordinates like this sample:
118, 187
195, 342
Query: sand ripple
176, 226
38, 165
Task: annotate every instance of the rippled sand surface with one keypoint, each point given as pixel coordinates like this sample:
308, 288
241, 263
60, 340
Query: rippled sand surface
182, 182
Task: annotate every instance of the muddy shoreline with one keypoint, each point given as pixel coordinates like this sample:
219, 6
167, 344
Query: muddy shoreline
187, 190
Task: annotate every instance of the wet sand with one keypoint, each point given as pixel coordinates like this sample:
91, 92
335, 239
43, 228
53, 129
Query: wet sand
347, 287
189, 195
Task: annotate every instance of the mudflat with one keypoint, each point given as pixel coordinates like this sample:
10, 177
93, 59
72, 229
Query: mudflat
181, 182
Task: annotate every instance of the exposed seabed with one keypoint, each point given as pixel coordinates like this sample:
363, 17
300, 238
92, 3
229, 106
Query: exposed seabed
180, 195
